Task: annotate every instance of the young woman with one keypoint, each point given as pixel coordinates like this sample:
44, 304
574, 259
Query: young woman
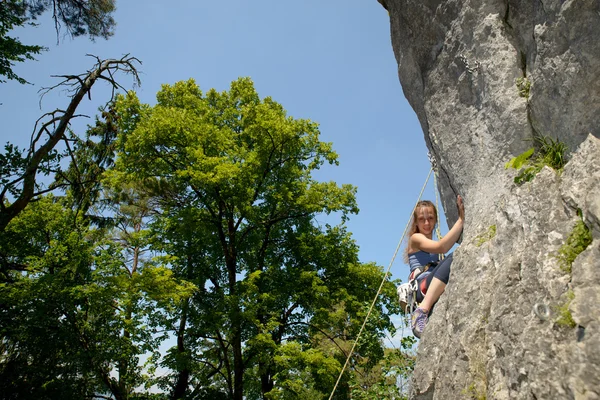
423, 253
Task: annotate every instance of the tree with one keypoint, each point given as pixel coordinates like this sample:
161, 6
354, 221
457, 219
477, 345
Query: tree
19, 170
78, 17
208, 235
79, 307
13, 14
389, 378
144, 291
238, 206
44, 307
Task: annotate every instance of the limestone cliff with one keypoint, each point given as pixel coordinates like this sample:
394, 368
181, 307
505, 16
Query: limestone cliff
502, 329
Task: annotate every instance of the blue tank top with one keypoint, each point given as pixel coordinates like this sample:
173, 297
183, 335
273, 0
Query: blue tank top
421, 258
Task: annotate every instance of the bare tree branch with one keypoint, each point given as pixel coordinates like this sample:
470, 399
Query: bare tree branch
79, 86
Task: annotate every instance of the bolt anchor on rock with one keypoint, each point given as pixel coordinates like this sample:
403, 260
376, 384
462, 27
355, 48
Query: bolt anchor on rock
542, 311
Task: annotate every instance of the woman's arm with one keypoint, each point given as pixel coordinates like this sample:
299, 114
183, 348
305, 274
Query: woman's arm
421, 242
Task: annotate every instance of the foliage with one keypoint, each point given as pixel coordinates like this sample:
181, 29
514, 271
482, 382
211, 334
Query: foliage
485, 237
381, 382
40, 299
565, 318
302, 372
94, 154
42, 156
90, 17
232, 174
552, 152
74, 319
13, 14
190, 224
474, 392
579, 239
477, 389
524, 86
520, 160
547, 152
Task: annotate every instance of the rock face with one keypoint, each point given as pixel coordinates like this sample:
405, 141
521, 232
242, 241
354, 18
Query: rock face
459, 61
484, 77
501, 330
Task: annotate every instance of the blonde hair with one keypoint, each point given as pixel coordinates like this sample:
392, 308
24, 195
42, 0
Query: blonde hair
414, 227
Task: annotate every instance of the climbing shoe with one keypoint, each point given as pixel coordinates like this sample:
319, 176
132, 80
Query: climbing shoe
418, 321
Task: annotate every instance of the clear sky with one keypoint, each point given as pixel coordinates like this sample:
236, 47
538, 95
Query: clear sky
329, 61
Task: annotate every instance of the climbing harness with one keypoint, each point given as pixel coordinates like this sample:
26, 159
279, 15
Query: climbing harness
413, 292
406, 296
382, 283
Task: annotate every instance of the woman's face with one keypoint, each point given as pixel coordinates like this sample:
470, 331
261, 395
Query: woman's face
426, 220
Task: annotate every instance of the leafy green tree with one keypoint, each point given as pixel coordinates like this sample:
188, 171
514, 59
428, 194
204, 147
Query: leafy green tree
388, 379
147, 292
238, 206
209, 237
44, 308
78, 306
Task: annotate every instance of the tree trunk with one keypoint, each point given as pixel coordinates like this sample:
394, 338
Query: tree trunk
238, 366
236, 342
266, 380
183, 376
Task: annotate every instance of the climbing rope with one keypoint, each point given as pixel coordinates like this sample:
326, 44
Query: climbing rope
433, 162
380, 286
437, 206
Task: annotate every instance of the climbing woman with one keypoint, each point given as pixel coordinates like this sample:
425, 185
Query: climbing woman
423, 257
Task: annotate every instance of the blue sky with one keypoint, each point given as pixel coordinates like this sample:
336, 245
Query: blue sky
328, 61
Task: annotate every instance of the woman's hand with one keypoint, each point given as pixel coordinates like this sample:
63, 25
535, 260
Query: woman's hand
461, 207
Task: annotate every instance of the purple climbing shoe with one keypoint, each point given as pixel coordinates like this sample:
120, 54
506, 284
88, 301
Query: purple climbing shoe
418, 321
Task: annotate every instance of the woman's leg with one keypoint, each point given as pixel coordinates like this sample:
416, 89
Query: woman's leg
434, 291
437, 283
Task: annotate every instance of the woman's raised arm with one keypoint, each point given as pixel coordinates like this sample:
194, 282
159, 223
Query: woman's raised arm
421, 242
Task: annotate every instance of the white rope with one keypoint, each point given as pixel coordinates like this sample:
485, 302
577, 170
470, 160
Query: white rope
437, 206
380, 287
